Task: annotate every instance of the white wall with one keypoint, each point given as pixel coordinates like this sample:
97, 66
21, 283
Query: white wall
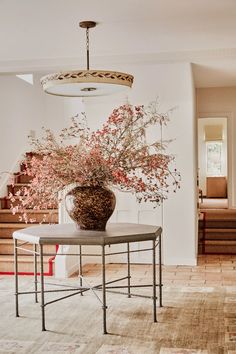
220, 102
20, 112
202, 157
25, 107
174, 86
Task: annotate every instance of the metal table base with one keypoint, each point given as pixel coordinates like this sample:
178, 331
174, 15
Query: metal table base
38, 251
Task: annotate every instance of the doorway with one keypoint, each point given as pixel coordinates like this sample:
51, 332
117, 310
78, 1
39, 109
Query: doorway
212, 163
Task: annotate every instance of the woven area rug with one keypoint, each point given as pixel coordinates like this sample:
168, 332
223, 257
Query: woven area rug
193, 320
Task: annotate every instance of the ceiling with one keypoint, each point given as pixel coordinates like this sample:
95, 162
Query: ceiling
43, 35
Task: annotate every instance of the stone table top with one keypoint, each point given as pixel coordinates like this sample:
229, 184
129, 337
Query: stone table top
70, 234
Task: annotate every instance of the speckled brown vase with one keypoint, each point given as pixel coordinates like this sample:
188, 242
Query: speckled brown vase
90, 207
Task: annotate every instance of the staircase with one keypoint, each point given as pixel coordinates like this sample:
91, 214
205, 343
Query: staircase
217, 231
10, 223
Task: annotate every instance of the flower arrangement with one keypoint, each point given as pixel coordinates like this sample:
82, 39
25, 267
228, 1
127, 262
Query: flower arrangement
116, 155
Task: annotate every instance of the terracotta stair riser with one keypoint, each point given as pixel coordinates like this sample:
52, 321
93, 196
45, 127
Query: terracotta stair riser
22, 167
22, 178
10, 218
25, 265
3, 203
14, 188
218, 235
6, 203
221, 224
218, 249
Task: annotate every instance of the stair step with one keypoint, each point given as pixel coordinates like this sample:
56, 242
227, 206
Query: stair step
22, 178
6, 216
25, 264
6, 229
15, 188
3, 203
10, 223
220, 215
218, 227
218, 212
218, 247
7, 247
218, 224
221, 242
6, 203
29, 156
22, 167
223, 231
218, 234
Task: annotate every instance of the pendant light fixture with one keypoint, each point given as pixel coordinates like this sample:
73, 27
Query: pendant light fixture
85, 83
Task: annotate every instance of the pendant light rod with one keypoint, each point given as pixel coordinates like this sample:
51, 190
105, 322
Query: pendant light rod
87, 47
87, 25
